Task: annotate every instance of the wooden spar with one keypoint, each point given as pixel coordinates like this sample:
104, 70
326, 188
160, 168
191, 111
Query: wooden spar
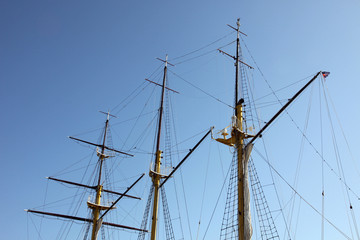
99, 145
237, 66
161, 86
84, 219
282, 109
107, 113
165, 61
156, 173
73, 183
221, 51
187, 155
236, 29
92, 187
161, 108
102, 155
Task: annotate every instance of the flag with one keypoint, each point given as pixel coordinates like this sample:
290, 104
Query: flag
325, 74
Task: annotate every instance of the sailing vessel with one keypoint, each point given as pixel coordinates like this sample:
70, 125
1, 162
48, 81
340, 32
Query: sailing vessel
242, 176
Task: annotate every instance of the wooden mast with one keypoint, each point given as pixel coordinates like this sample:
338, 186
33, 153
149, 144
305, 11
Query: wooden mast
239, 142
239, 134
155, 174
97, 206
237, 137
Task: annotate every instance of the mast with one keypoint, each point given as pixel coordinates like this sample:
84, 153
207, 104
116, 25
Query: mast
96, 207
238, 135
243, 151
239, 143
156, 173
237, 65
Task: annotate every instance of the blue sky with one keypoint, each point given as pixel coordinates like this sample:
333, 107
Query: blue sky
62, 61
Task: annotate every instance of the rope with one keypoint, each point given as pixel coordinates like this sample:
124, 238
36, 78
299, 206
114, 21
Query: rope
137, 119
27, 226
287, 86
39, 236
206, 53
127, 97
187, 139
201, 48
300, 196
299, 160
203, 195
310, 143
341, 127
340, 165
201, 55
175, 188
187, 212
208, 94
217, 201
259, 121
266, 153
322, 169
46, 191
317, 152
142, 83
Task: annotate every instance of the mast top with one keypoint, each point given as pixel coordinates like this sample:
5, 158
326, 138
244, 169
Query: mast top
165, 61
108, 114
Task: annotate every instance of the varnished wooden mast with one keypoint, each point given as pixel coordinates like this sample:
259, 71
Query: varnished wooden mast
237, 67
155, 174
239, 145
96, 209
239, 141
96, 206
238, 135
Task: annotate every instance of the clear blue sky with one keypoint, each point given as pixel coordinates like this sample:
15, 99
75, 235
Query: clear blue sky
62, 61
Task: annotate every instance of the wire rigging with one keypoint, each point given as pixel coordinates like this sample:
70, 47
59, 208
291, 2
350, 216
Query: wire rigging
300, 156
208, 94
341, 127
203, 194
297, 126
133, 92
283, 88
322, 167
217, 201
201, 48
178, 160
300, 196
340, 165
